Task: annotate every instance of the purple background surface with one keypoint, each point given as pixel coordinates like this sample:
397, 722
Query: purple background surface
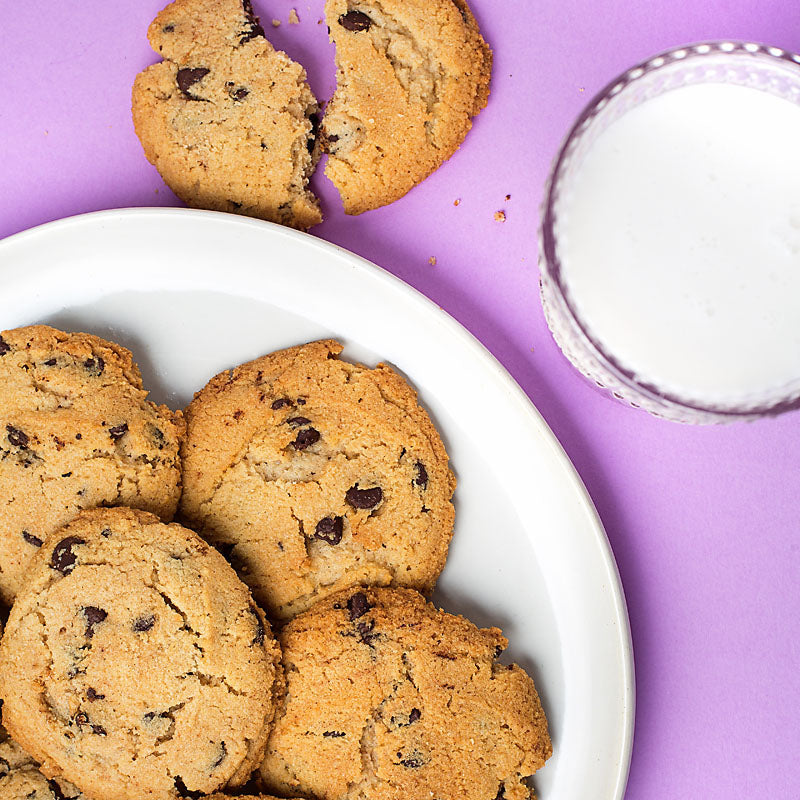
704, 522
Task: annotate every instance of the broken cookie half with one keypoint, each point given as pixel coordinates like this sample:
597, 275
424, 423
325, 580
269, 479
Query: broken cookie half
225, 118
411, 75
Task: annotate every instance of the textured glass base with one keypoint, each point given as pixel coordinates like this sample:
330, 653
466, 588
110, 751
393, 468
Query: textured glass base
768, 69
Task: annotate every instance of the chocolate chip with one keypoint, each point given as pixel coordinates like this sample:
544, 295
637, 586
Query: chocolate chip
498, 650
157, 435
31, 539
260, 631
81, 719
223, 754
414, 761
144, 623
5, 347
251, 29
357, 605
99, 730
296, 422
5, 767
281, 403
301, 401
94, 616
78, 436
421, 478
188, 77
51, 362
333, 734
94, 366
63, 559
93, 694
312, 137
501, 792
365, 632
355, 21
185, 792
414, 715
55, 790
118, 431
305, 438
17, 437
237, 93
168, 28
364, 498
105, 533
330, 530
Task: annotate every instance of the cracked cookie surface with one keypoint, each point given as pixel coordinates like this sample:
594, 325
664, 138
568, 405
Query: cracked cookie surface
310, 474
135, 663
225, 118
76, 431
411, 75
387, 697
20, 778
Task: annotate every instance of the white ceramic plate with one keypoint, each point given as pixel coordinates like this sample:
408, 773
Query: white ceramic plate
191, 293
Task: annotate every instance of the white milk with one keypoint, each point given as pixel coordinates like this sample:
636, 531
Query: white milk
679, 239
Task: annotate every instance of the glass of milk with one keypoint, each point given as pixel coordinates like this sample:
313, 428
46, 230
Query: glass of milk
670, 237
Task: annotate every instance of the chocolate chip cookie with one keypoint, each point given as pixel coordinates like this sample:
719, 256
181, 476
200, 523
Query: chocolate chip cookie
134, 662
411, 75
20, 778
312, 474
226, 119
76, 431
387, 697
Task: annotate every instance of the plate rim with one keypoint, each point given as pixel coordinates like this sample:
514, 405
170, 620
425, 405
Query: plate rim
478, 350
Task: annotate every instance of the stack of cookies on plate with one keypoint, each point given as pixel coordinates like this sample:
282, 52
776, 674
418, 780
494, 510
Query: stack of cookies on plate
278, 641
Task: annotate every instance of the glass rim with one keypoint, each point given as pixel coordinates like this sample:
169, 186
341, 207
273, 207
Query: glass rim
550, 264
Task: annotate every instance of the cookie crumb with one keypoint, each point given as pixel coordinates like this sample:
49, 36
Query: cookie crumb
457, 201
581, 89
432, 261
500, 216
508, 197
276, 23
293, 18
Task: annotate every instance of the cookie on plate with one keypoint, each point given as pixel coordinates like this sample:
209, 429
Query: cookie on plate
20, 778
134, 662
411, 75
226, 119
312, 474
387, 697
76, 431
